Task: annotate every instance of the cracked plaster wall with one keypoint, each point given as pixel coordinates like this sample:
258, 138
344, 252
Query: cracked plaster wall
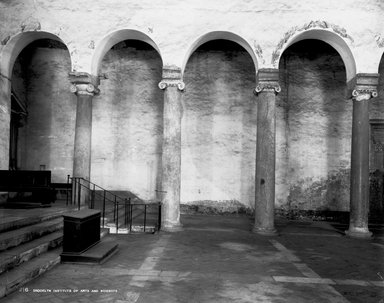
304, 182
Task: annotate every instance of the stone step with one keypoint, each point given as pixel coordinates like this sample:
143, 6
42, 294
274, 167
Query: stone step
13, 222
28, 261
25, 252
12, 280
25, 234
98, 253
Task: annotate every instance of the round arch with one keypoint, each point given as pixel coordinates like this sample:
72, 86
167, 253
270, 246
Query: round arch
219, 35
331, 38
16, 44
105, 44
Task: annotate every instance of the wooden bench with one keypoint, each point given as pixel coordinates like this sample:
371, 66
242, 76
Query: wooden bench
29, 185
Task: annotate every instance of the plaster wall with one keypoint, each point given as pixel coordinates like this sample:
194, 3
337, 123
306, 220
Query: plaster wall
318, 121
48, 135
219, 128
175, 26
376, 109
127, 122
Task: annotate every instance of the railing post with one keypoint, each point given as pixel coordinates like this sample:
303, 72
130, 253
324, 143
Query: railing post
145, 215
93, 197
74, 192
117, 216
79, 192
104, 208
131, 217
67, 190
159, 218
125, 212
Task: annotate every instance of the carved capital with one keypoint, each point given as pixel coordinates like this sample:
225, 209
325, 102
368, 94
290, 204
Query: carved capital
172, 77
267, 81
365, 87
84, 83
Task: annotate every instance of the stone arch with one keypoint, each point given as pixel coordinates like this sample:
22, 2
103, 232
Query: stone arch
224, 36
15, 91
104, 45
326, 32
16, 44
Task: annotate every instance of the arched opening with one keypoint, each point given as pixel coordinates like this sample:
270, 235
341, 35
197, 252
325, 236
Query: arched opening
107, 42
376, 154
217, 36
42, 109
127, 121
314, 129
332, 39
218, 129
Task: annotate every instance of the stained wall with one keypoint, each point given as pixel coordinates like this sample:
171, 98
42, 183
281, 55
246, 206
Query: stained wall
41, 80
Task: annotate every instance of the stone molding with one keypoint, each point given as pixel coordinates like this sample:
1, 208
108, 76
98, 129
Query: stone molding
267, 81
84, 83
365, 87
172, 77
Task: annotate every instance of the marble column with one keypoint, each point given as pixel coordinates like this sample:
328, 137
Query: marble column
173, 86
365, 88
266, 90
84, 86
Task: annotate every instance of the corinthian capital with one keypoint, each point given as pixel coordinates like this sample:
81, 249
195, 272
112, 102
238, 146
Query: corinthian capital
365, 87
268, 80
84, 83
172, 77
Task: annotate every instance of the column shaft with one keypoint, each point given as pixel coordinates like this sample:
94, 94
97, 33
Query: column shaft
265, 164
365, 88
83, 133
360, 167
85, 86
265, 152
171, 157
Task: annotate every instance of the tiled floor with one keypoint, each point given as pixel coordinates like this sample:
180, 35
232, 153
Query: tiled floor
218, 259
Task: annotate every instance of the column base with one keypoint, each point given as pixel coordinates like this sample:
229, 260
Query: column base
358, 233
265, 231
171, 227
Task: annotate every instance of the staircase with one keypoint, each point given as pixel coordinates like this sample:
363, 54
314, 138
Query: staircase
30, 241
121, 212
28, 247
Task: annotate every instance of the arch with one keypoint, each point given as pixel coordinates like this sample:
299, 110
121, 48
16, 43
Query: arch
105, 44
16, 44
331, 38
219, 35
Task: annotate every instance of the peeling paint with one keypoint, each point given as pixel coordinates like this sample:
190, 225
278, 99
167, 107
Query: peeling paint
215, 207
259, 52
5, 40
376, 195
3, 109
379, 40
30, 24
326, 194
313, 24
91, 44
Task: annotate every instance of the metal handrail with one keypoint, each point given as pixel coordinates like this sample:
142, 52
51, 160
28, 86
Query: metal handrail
90, 192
